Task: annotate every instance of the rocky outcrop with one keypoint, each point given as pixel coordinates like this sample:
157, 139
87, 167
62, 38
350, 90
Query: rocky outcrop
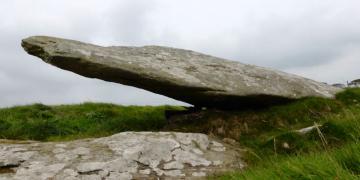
188, 76
128, 155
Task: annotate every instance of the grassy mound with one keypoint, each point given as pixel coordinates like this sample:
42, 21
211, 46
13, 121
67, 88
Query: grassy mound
274, 148
66, 122
257, 129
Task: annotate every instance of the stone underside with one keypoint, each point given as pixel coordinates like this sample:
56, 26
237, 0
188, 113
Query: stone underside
188, 76
128, 155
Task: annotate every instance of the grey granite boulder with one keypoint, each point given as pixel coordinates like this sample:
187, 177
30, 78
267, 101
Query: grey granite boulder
127, 155
188, 76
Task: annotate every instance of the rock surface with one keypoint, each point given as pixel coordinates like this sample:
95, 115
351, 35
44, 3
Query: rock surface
188, 76
128, 155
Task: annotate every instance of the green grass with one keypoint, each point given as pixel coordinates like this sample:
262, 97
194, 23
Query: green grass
340, 125
308, 157
330, 152
342, 163
66, 122
273, 148
257, 129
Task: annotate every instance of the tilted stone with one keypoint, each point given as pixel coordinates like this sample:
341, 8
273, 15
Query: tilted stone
188, 76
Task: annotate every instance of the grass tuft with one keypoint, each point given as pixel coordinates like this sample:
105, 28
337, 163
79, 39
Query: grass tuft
340, 163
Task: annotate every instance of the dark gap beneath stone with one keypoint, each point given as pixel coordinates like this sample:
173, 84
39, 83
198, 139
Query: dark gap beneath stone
8, 169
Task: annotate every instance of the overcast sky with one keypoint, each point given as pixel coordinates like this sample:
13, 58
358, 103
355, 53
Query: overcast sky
314, 38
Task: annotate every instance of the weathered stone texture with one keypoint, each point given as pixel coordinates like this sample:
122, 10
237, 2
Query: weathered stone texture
184, 75
128, 155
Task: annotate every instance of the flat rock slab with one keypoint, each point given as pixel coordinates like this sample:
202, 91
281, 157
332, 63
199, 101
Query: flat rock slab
128, 155
188, 76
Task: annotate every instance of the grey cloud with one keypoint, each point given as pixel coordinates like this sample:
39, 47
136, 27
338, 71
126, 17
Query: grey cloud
316, 39
25, 79
278, 34
127, 23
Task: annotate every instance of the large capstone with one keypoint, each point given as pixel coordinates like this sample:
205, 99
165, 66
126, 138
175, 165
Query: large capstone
127, 155
188, 76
